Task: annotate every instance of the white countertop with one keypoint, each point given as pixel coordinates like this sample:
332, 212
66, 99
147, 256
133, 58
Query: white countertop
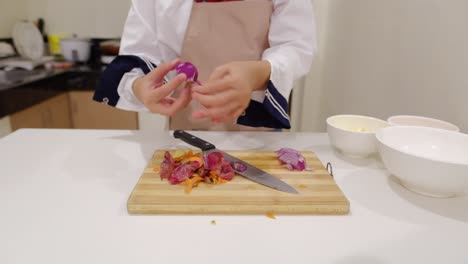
63, 199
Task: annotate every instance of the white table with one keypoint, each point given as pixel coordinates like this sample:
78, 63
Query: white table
63, 199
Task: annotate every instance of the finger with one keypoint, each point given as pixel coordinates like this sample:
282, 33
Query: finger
189, 85
200, 114
165, 90
181, 102
218, 73
232, 116
213, 87
157, 75
216, 120
167, 101
161, 107
211, 100
217, 112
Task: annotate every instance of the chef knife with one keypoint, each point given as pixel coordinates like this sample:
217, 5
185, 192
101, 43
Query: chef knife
252, 173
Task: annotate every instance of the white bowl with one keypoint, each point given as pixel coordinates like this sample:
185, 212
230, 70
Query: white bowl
354, 135
428, 161
406, 120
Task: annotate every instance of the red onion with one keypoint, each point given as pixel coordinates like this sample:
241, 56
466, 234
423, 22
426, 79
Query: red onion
292, 159
189, 70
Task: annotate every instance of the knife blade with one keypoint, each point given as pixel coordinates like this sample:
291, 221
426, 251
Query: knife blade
252, 173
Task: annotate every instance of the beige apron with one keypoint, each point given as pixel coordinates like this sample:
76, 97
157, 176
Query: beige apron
219, 33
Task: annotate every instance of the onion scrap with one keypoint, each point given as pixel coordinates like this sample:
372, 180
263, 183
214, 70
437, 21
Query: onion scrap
189, 169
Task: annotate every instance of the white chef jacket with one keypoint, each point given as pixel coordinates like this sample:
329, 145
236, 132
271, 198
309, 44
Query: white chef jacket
154, 33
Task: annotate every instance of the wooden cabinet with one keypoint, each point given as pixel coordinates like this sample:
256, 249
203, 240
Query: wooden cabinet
52, 113
74, 109
89, 114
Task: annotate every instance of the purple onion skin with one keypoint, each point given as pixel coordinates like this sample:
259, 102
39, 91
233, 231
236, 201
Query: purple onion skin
189, 70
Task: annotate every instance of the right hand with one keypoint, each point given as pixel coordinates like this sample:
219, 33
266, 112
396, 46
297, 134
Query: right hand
155, 95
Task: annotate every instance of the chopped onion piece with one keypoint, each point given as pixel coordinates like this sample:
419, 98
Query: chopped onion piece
237, 166
292, 159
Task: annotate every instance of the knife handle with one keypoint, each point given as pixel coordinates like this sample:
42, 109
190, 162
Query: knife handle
193, 140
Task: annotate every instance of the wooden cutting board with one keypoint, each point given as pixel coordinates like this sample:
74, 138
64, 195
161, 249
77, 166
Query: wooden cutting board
318, 192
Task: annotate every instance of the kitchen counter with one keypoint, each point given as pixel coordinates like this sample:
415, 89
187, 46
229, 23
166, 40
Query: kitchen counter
63, 196
42, 84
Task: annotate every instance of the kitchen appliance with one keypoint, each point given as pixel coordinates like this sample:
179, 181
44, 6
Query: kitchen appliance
318, 192
76, 49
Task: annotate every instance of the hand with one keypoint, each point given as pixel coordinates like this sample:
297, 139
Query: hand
155, 95
227, 92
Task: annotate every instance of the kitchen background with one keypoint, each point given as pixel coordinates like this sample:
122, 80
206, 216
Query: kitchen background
376, 57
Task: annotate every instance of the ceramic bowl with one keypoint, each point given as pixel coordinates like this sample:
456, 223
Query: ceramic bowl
354, 135
406, 120
428, 161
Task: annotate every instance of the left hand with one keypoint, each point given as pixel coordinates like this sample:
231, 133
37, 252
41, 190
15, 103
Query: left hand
227, 92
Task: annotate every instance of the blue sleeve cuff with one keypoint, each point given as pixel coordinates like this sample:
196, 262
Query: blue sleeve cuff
106, 90
272, 113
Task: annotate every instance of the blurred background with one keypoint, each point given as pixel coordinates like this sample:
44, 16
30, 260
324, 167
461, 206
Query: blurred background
376, 57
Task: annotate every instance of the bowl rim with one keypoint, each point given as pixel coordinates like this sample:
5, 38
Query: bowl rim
360, 116
378, 135
448, 124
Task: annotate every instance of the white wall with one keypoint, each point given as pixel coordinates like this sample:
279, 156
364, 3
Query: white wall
382, 58
86, 18
11, 11
308, 91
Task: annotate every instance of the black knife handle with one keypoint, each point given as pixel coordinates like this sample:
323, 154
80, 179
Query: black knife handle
193, 140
